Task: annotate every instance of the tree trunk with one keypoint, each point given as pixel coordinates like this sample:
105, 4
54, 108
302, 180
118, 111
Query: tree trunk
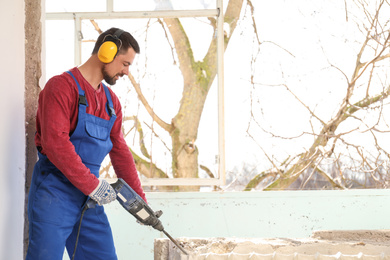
198, 78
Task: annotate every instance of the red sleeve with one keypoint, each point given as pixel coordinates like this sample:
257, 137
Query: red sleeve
121, 158
57, 106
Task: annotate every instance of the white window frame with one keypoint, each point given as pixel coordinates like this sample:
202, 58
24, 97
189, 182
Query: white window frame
218, 12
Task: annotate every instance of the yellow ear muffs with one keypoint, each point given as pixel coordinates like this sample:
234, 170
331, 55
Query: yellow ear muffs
109, 49
107, 52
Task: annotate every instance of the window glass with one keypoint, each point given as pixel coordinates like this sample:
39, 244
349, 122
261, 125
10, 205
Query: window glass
56, 6
59, 49
156, 69
158, 5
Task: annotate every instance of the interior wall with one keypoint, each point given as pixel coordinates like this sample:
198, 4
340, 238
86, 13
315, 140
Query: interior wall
33, 75
12, 131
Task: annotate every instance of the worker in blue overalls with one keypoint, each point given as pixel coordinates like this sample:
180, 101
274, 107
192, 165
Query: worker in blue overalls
78, 123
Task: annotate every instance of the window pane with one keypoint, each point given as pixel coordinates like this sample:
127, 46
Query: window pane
156, 70
153, 5
54, 6
59, 48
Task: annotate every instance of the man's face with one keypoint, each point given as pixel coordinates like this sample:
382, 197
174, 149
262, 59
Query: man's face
118, 67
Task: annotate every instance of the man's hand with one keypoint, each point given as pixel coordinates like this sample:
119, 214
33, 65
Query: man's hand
103, 193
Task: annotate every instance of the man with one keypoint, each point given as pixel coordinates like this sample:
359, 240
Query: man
78, 123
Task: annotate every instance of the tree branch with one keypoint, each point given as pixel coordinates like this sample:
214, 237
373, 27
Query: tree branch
148, 169
183, 47
330, 179
148, 108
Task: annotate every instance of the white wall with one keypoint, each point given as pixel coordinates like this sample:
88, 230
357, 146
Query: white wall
12, 133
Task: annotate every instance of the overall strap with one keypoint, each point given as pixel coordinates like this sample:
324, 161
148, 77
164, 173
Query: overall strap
82, 99
110, 106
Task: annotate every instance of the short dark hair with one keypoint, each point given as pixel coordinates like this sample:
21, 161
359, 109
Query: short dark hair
128, 41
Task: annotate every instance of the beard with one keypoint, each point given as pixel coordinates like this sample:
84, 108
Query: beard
109, 79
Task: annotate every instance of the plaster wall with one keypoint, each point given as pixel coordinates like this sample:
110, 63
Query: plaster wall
12, 130
276, 214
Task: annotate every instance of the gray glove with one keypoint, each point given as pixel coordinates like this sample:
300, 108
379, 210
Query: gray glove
103, 193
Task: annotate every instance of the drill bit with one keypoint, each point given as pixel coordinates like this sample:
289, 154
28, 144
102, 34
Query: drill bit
175, 242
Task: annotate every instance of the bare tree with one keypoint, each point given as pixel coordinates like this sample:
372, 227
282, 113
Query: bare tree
342, 161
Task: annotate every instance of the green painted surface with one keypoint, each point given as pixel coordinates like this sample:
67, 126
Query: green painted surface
290, 214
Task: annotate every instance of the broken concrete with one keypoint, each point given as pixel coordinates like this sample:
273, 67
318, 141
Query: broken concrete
371, 236
323, 245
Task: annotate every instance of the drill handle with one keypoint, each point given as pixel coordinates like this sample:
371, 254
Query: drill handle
158, 213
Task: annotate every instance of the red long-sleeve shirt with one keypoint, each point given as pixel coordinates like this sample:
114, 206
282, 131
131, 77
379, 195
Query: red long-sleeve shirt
57, 119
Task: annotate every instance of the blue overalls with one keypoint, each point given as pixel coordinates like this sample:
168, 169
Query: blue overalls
55, 204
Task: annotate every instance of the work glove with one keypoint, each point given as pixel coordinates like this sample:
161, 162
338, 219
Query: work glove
103, 193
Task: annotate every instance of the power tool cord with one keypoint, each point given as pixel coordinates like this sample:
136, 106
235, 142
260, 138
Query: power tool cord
78, 231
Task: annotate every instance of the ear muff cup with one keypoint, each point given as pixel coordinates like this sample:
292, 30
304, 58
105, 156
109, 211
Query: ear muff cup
109, 49
107, 52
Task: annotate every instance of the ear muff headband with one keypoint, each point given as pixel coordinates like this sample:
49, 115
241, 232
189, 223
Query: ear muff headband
110, 47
